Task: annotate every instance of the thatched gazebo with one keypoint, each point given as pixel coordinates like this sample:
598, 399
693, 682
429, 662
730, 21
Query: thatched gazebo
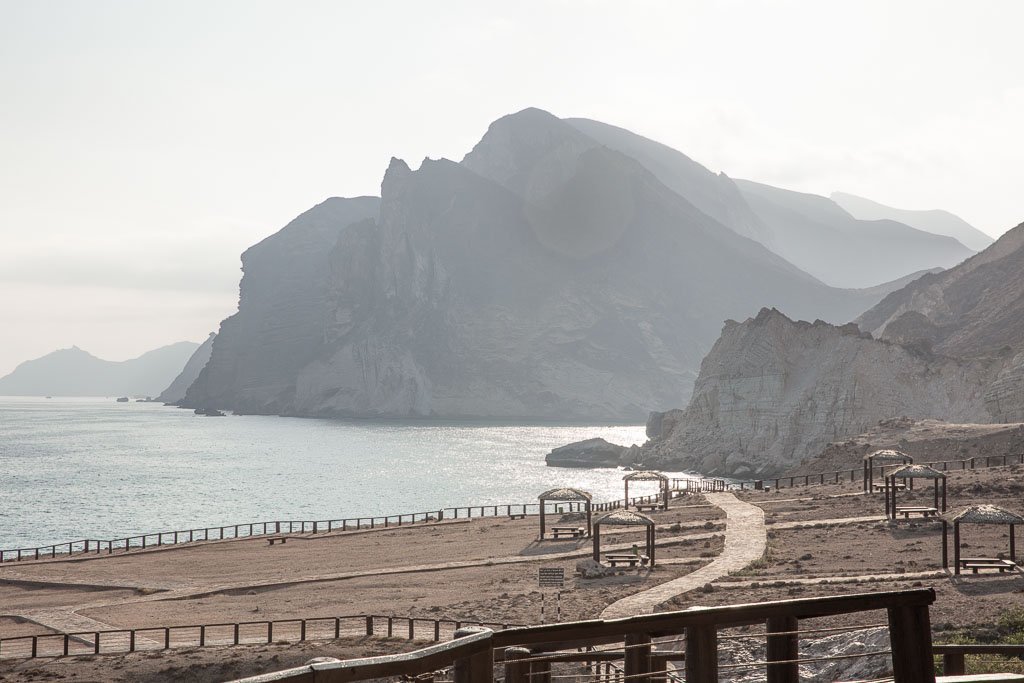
886, 456
649, 475
564, 495
909, 473
624, 518
979, 514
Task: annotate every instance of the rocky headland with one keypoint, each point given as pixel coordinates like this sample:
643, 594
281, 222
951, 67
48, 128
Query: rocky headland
774, 392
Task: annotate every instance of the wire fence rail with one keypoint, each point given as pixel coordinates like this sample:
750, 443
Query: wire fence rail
159, 539
668, 646
120, 641
863, 474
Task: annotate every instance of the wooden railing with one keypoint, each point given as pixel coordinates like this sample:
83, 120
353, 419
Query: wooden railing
527, 654
252, 529
954, 657
857, 474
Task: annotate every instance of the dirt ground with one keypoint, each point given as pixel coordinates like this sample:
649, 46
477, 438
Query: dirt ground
402, 572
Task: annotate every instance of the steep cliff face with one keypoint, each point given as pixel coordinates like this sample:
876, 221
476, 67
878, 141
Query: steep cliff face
773, 391
279, 325
196, 362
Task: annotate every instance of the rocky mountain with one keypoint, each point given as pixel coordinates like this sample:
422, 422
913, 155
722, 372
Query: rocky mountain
74, 372
545, 276
934, 221
196, 362
813, 233
820, 237
773, 391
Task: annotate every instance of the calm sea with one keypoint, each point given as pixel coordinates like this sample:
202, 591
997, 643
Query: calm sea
93, 468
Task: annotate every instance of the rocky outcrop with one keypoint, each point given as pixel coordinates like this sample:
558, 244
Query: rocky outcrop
773, 392
591, 453
176, 391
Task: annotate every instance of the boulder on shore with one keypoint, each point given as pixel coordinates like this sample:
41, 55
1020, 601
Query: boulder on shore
591, 453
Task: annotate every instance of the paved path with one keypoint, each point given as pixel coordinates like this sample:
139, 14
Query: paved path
745, 541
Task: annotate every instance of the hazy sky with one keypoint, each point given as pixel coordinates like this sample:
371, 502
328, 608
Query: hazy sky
144, 145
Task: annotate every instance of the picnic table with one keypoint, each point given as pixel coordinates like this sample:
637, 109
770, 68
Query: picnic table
567, 531
924, 511
899, 486
647, 506
627, 558
976, 563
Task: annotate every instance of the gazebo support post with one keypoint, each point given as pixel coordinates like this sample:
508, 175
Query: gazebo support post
590, 526
597, 543
626, 503
665, 492
1013, 545
956, 547
945, 545
936, 494
943, 494
865, 483
542, 520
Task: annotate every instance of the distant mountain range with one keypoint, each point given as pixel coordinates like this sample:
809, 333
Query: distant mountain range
935, 220
565, 269
74, 372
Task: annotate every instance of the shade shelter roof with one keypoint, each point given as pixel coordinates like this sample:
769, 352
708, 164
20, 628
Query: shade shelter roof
565, 494
984, 514
980, 514
625, 518
916, 472
889, 455
645, 475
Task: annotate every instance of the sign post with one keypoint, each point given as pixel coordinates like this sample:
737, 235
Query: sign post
551, 577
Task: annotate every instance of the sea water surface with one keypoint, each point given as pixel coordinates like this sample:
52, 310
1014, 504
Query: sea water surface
93, 468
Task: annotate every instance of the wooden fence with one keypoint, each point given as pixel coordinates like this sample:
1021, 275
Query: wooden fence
253, 529
689, 638
119, 641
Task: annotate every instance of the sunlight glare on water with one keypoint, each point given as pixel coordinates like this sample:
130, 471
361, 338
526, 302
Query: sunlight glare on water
92, 468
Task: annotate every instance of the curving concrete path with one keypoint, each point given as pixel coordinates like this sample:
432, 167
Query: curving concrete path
745, 540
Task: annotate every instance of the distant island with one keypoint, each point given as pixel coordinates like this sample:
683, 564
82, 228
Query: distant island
75, 372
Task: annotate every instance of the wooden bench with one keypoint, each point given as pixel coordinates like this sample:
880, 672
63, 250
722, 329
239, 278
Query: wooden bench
566, 531
517, 515
271, 540
881, 487
630, 559
916, 510
976, 563
647, 506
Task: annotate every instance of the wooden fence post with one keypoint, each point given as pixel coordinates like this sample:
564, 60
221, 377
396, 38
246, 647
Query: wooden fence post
478, 668
638, 657
910, 635
783, 647
701, 654
517, 671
